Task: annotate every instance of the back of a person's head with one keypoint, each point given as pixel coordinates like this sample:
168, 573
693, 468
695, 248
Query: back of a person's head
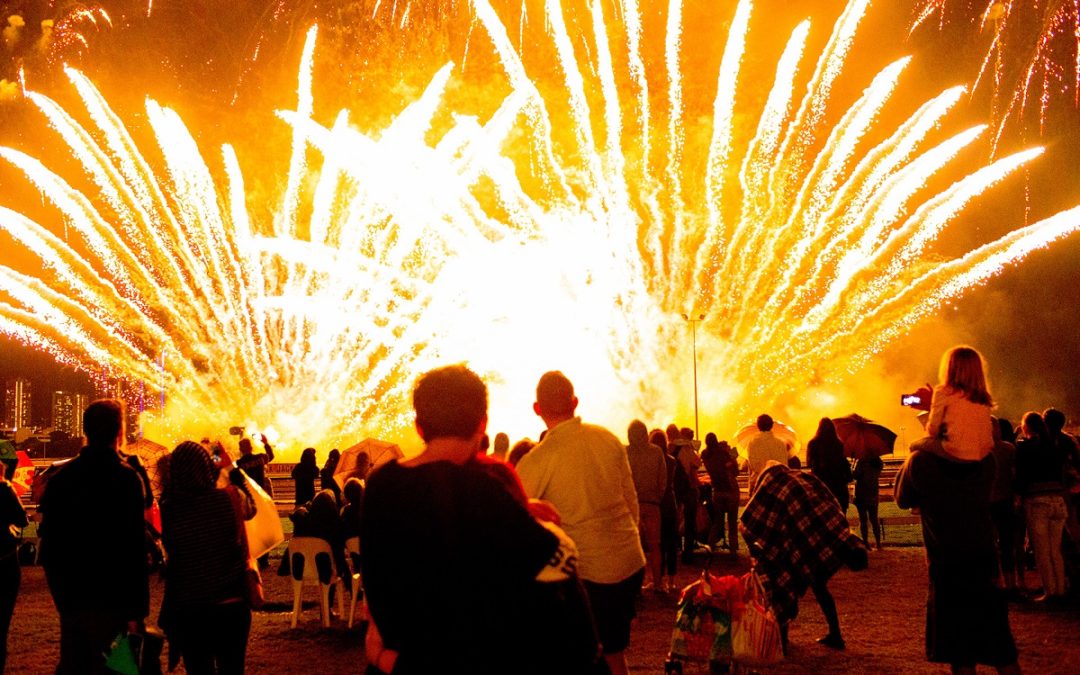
485, 443
963, 369
191, 469
711, 441
672, 432
1055, 420
1034, 425
450, 402
764, 422
501, 444
103, 421
555, 394
353, 491
245, 446
307, 457
520, 449
637, 433
1008, 431
826, 429
686, 433
658, 438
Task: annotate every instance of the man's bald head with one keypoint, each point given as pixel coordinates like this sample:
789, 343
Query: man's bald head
555, 396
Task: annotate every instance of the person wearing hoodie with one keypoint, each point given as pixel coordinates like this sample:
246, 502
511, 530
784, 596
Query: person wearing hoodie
649, 470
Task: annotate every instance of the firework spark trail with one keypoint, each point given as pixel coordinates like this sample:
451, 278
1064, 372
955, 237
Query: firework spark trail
820, 267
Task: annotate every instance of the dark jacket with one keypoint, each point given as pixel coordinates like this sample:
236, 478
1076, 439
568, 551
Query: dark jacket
93, 536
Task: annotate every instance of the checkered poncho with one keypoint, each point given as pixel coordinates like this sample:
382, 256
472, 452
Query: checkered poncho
797, 535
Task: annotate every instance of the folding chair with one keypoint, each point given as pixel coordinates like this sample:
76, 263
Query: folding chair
352, 549
312, 562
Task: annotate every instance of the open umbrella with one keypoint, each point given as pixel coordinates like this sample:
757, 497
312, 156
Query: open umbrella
863, 437
782, 431
378, 453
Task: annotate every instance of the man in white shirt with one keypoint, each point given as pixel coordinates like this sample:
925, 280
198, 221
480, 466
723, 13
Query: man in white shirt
582, 469
764, 447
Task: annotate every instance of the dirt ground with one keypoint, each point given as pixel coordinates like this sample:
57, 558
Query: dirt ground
881, 612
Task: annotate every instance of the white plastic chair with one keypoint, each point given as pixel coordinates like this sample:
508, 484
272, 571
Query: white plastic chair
352, 550
306, 556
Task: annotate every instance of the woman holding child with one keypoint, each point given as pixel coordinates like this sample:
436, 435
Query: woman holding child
948, 477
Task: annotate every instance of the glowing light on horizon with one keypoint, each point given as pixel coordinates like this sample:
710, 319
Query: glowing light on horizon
426, 242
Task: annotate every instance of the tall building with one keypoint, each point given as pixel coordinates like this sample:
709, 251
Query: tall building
67, 410
17, 403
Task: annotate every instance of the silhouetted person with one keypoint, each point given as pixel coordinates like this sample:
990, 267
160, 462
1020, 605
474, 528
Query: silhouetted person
669, 517
825, 459
12, 515
326, 475
93, 544
649, 469
1040, 479
723, 467
304, 475
764, 447
867, 493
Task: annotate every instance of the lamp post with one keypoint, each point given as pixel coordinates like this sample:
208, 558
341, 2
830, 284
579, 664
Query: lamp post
693, 332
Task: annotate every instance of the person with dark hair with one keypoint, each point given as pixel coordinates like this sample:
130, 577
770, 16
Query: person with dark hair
649, 470
520, 449
799, 539
684, 449
1003, 509
582, 469
867, 494
1040, 480
205, 613
304, 474
353, 496
93, 544
825, 459
669, 516
764, 447
722, 464
12, 515
1055, 425
444, 594
326, 475
500, 447
967, 617
321, 518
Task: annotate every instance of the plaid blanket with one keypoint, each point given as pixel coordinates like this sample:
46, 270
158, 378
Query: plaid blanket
797, 535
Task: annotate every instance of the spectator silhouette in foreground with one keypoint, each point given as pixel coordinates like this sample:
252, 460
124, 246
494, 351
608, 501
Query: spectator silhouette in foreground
669, 515
304, 475
12, 515
1040, 479
93, 544
799, 539
583, 471
459, 577
825, 459
649, 470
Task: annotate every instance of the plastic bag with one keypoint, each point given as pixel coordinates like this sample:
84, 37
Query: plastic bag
755, 636
264, 531
704, 619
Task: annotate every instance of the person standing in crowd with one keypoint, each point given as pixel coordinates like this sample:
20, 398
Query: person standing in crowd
1055, 424
520, 449
205, 612
649, 470
764, 447
444, 594
93, 544
825, 459
688, 491
669, 517
304, 474
1040, 479
583, 471
799, 539
326, 475
500, 447
950, 481
12, 516
255, 466
722, 465
1002, 507
867, 494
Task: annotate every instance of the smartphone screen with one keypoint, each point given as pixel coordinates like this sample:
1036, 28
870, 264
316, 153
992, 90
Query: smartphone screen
910, 399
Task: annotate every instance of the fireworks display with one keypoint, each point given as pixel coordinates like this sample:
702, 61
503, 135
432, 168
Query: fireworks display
567, 229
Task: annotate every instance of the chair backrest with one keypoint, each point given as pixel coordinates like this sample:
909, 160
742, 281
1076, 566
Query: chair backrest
352, 547
304, 549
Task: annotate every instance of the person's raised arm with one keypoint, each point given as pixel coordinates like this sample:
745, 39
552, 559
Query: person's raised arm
266, 446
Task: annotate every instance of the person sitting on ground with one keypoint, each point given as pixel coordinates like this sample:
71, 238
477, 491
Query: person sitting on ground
649, 470
304, 475
444, 594
205, 613
764, 447
722, 464
799, 539
867, 493
826, 460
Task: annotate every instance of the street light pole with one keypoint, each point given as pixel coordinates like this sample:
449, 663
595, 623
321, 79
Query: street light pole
693, 333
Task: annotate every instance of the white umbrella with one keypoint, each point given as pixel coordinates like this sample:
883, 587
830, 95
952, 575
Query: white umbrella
780, 430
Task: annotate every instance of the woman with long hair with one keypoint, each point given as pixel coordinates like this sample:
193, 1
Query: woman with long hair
1040, 478
960, 406
826, 460
669, 518
304, 475
205, 612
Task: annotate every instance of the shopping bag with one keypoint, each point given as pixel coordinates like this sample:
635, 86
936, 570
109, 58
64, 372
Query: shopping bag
755, 636
264, 531
703, 621
121, 657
